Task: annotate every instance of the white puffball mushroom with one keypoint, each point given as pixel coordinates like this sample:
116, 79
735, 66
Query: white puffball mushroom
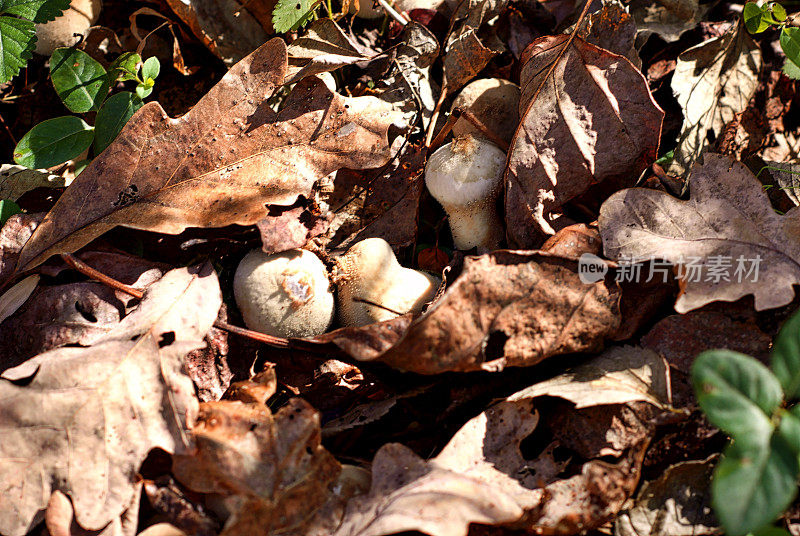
495, 102
370, 273
329, 80
284, 294
465, 176
80, 15
408, 5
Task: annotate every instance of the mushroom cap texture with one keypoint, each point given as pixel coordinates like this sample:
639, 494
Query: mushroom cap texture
59, 32
285, 294
465, 171
495, 102
370, 272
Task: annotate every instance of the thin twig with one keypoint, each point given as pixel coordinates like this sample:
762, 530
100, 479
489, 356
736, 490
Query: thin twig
8, 130
448, 126
88, 271
435, 115
402, 19
486, 131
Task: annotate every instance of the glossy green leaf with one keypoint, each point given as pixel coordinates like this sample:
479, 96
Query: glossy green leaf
36, 10
771, 531
791, 69
753, 484
53, 142
790, 43
151, 69
17, 41
786, 357
125, 67
778, 12
7, 209
290, 15
789, 428
80, 81
142, 91
112, 117
737, 393
754, 18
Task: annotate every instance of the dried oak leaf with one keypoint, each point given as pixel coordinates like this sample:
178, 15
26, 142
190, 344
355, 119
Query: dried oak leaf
482, 477
220, 163
587, 116
726, 239
678, 503
505, 309
82, 420
270, 470
469, 47
713, 82
667, 18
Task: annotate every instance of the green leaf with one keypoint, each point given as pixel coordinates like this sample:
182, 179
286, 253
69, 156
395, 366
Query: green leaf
786, 357
125, 67
151, 69
290, 15
753, 484
754, 19
790, 43
38, 11
771, 531
789, 428
738, 393
53, 142
142, 91
17, 41
80, 81
778, 12
112, 117
791, 69
8, 209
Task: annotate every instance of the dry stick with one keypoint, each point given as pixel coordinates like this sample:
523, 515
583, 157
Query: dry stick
8, 131
435, 115
88, 271
489, 133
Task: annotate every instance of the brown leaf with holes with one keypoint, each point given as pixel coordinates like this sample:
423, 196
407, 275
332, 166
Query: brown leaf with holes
82, 420
587, 117
220, 163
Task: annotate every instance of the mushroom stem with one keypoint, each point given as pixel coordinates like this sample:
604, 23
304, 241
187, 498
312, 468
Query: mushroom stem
476, 225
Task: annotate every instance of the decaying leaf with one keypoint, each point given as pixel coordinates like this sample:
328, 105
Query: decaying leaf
226, 27
589, 119
787, 177
467, 50
270, 469
676, 504
726, 240
17, 180
13, 236
505, 309
613, 29
220, 163
713, 82
618, 376
667, 18
482, 477
81, 420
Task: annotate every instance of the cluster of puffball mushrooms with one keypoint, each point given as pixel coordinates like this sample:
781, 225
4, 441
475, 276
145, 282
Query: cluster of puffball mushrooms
290, 294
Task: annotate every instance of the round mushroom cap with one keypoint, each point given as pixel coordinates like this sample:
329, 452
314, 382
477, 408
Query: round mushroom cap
80, 15
374, 287
284, 294
495, 102
408, 5
465, 171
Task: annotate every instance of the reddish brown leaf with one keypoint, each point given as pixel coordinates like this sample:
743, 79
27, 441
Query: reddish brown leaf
219, 164
588, 117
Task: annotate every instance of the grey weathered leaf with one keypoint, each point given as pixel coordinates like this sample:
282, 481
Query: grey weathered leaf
727, 217
713, 82
667, 18
16, 180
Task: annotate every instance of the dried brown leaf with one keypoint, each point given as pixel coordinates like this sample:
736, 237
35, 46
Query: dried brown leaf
727, 217
219, 164
81, 420
587, 116
467, 50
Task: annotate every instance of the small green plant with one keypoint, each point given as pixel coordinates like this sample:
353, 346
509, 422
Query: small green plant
291, 15
83, 85
760, 17
756, 479
18, 19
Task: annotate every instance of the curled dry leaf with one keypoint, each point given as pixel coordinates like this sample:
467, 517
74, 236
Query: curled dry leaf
13, 236
617, 376
667, 19
468, 50
482, 477
678, 503
17, 180
713, 82
60, 518
587, 116
505, 309
219, 164
613, 29
82, 420
270, 470
726, 239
